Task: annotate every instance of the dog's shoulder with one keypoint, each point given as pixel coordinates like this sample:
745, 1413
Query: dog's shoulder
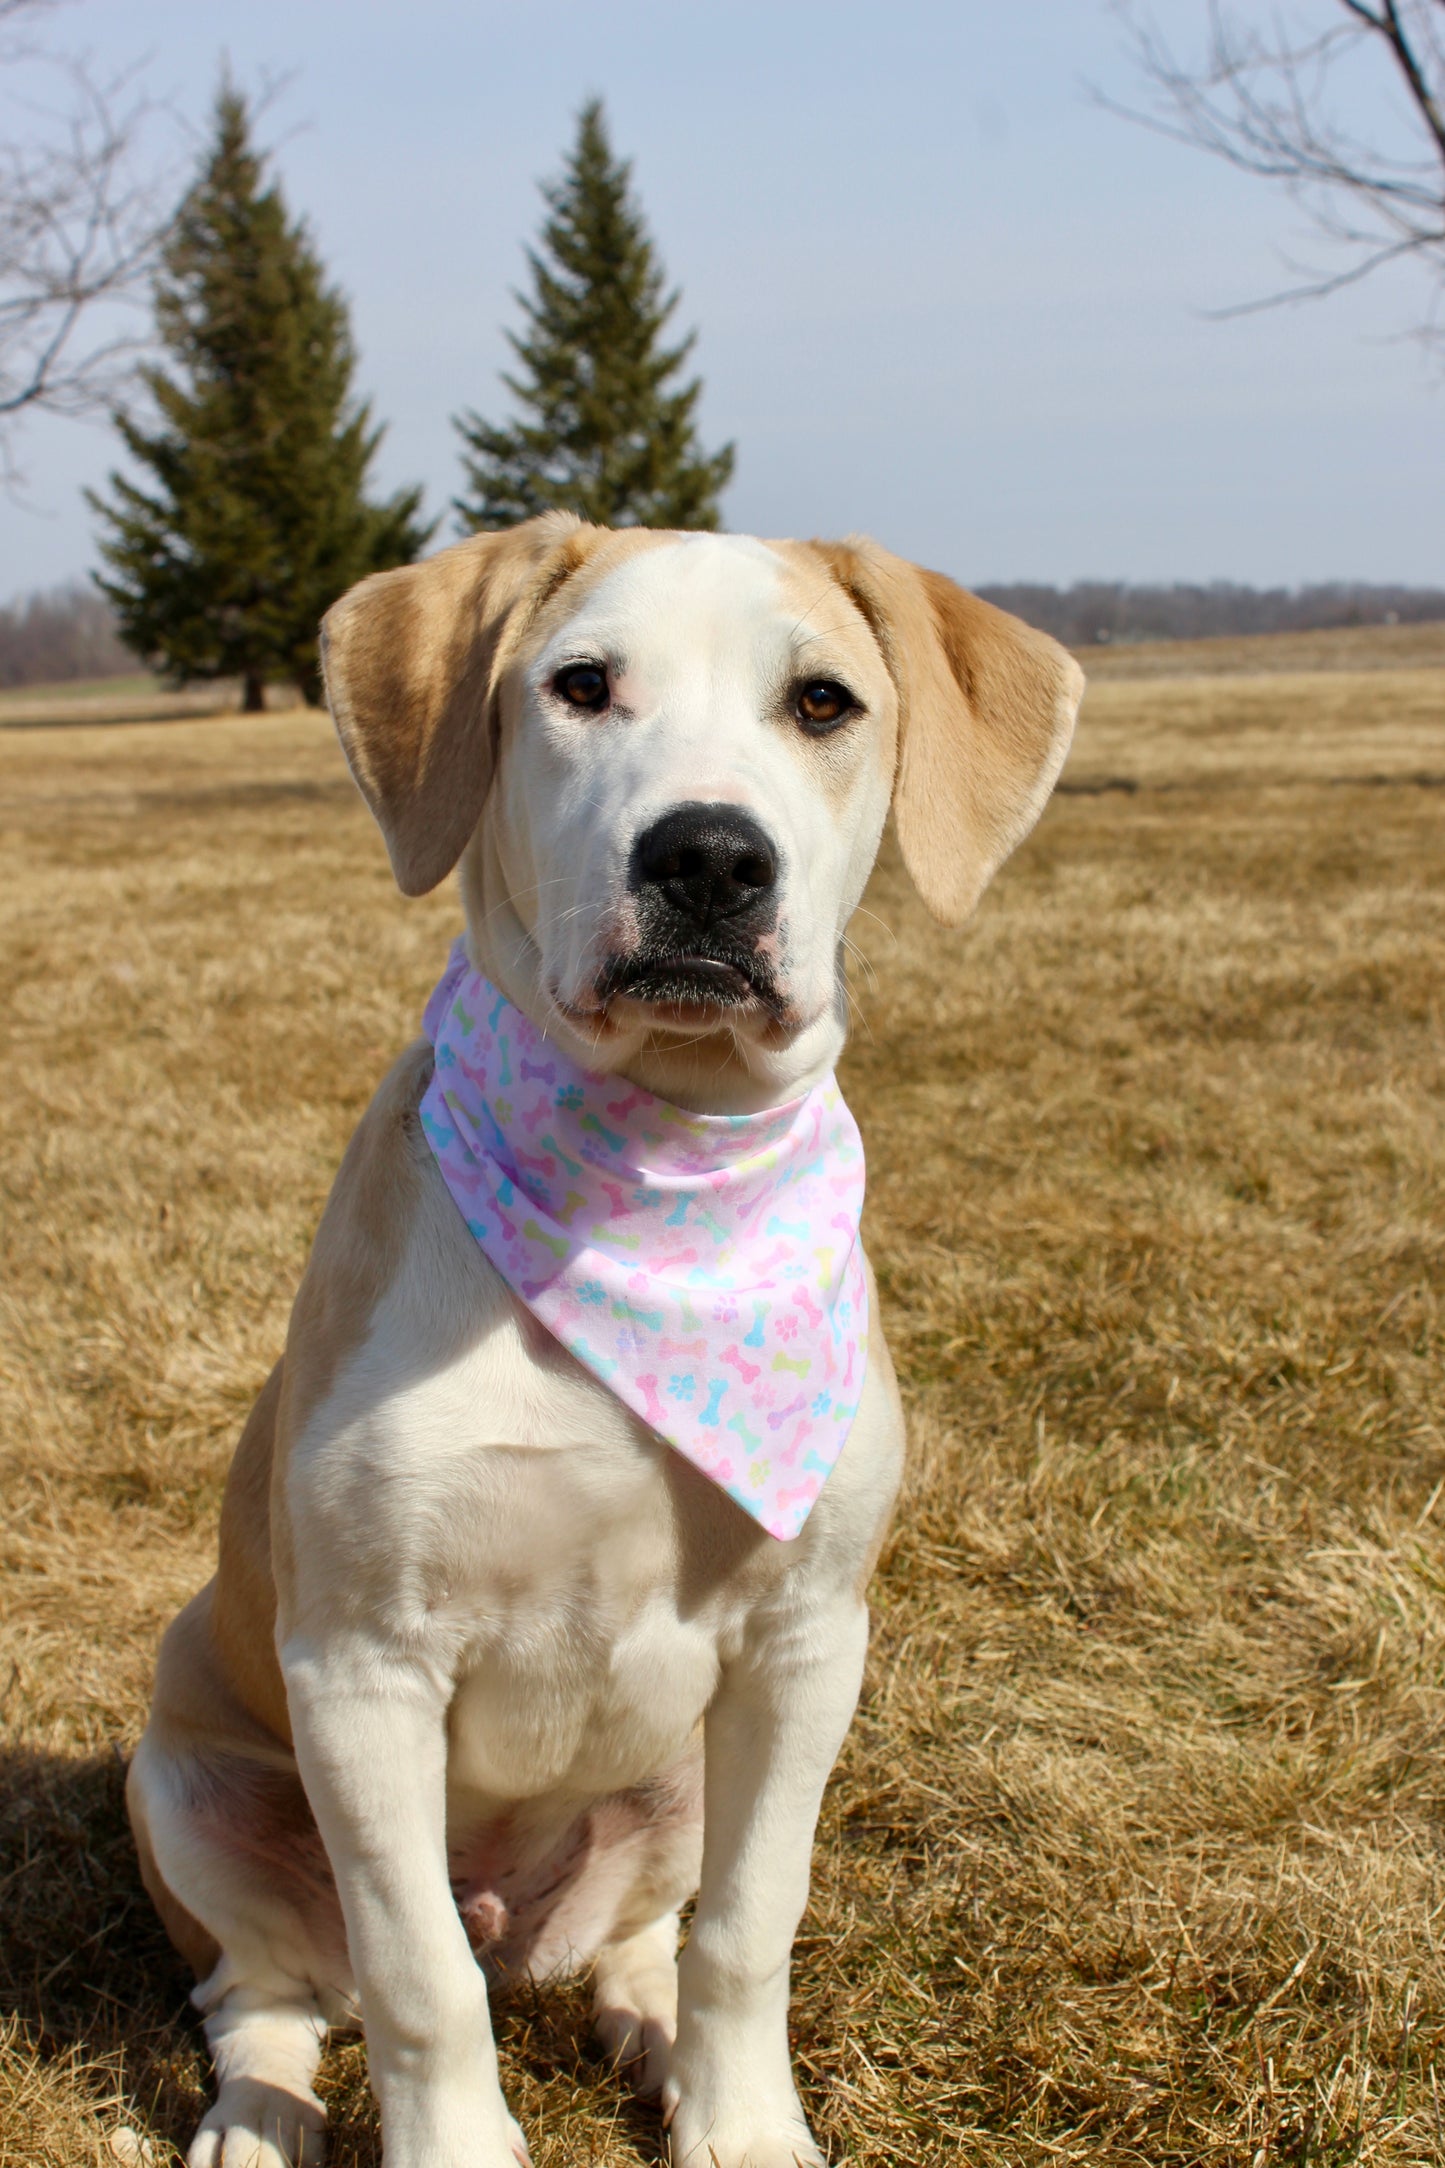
400, 1305
382, 1180
390, 1237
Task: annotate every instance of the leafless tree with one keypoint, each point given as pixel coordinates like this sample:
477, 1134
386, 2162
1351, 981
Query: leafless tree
1267, 98
80, 223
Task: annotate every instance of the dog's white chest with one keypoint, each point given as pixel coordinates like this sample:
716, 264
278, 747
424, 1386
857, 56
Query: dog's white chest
589, 1697
498, 1510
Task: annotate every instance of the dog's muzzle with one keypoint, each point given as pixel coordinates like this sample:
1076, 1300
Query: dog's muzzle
705, 879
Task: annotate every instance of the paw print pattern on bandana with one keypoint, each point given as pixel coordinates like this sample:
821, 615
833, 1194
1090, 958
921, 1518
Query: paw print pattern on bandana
706, 1268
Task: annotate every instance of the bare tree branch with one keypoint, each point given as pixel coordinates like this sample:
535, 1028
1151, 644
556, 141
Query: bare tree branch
80, 226
1266, 101
1388, 25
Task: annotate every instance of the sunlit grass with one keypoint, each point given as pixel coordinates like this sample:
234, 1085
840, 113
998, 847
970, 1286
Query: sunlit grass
1134, 1852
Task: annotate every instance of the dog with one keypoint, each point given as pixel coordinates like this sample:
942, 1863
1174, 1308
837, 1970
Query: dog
493, 1677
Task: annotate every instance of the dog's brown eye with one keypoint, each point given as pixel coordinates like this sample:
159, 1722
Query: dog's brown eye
583, 685
823, 703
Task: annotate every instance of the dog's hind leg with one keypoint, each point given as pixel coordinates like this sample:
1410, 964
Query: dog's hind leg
266, 2114
263, 2022
634, 2002
257, 1953
231, 1857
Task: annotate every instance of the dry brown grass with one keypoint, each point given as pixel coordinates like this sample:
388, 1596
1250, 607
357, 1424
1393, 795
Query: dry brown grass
1334, 647
1135, 1851
135, 698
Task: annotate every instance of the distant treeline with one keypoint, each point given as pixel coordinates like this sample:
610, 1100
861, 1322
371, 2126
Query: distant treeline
69, 632
1093, 612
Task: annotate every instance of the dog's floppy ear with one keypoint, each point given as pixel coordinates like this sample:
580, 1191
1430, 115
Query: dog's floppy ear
986, 712
412, 661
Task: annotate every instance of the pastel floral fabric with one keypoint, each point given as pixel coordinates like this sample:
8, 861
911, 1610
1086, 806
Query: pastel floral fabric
707, 1268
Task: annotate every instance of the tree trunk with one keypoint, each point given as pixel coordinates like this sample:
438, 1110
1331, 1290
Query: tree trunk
253, 699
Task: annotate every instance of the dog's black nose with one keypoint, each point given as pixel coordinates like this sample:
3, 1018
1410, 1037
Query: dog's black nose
712, 862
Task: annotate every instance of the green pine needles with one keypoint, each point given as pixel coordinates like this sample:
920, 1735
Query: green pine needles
255, 516
605, 431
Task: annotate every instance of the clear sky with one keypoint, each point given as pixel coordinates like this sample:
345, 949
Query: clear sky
941, 296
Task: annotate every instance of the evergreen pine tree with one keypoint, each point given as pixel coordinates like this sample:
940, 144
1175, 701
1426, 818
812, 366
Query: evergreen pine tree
256, 517
604, 432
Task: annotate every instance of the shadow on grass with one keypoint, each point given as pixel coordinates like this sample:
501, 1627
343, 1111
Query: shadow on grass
85, 1967
89, 1976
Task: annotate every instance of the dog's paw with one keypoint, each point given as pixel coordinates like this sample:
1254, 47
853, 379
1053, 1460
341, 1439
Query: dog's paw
637, 2043
254, 2125
432, 2126
749, 2148
737, 2135
634, 2004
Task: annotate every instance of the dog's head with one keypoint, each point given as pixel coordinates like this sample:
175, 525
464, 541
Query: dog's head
664, 761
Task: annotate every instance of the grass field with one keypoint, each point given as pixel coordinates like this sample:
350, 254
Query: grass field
136, 698
1274, 654
1136, 1853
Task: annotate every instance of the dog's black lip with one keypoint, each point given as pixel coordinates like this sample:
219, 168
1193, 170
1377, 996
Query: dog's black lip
686, 981
706, 972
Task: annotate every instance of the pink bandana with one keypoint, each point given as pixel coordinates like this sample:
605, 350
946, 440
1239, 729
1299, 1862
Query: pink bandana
706, 1268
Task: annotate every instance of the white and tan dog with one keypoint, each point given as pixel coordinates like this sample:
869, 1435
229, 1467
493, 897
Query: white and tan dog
490, 1681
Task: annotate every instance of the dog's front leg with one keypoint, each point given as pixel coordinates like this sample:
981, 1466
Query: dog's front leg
772, 1736
370, 1735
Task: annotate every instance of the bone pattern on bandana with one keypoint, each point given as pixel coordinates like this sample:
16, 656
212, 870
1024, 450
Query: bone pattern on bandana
707, 1268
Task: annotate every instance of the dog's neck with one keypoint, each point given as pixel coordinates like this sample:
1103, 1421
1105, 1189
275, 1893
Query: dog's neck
711, 1072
